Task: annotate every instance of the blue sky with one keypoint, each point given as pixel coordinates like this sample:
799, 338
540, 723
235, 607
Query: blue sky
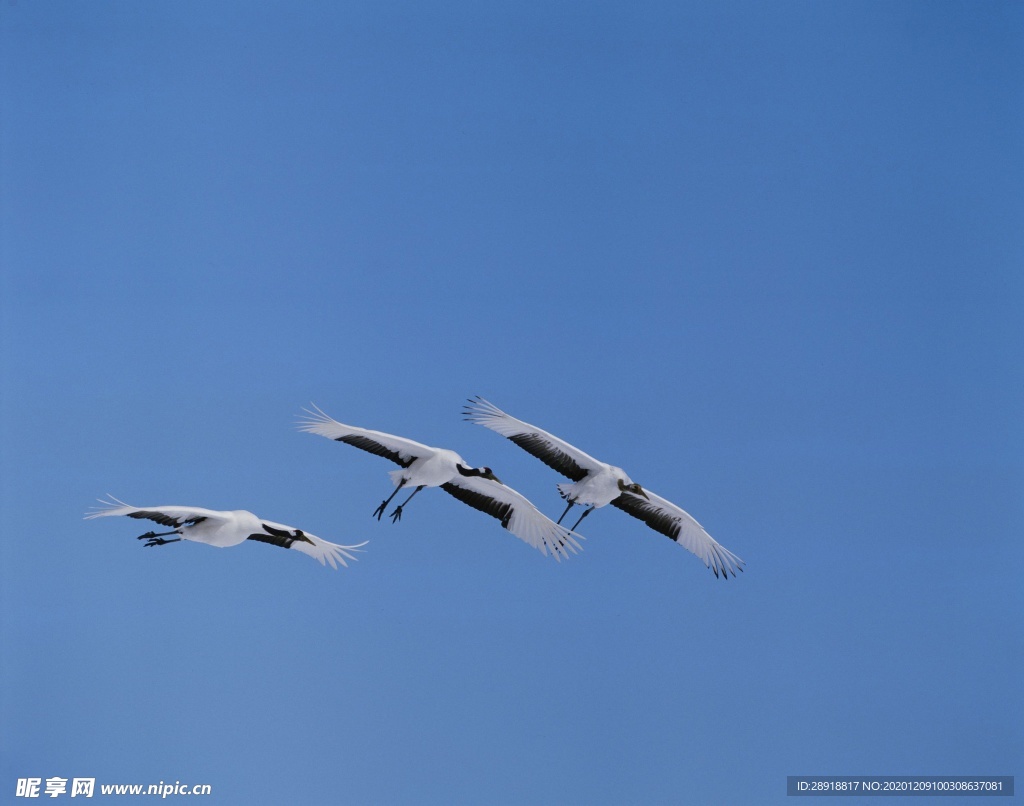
764, 257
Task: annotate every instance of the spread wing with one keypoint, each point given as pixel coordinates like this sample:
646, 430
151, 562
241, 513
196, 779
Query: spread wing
516, 514
287, 537
164, 515
556, 453
665, 517
403, 452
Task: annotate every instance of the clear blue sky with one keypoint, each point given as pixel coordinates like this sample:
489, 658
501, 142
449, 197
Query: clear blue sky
766, 257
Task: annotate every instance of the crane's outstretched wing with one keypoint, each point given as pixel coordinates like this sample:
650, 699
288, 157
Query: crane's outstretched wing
665, 517
288, 537
516, 514
556, 453
399, 450
164, 515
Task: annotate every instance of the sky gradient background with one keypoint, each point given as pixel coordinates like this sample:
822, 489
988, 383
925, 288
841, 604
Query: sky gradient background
765, 258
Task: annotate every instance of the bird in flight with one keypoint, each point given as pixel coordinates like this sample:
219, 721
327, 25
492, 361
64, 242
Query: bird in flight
421, 466
223, 529
595, 484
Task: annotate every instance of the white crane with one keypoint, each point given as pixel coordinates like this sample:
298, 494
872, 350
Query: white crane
223, 529
423, 466
596, 484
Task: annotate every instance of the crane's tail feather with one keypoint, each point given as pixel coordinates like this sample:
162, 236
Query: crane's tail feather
113, 506
565, 489
482, 412
313, 418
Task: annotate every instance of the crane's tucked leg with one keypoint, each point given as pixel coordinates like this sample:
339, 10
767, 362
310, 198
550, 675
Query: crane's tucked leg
380, 510
396, 516
571, 505
156, 540
151, 535
585, 513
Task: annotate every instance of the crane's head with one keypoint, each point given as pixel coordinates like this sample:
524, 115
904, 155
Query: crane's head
300, 535
482, 472
487, 473
632, 487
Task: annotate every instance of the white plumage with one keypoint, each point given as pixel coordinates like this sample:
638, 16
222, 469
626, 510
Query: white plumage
596, 484
422, 466
224, 529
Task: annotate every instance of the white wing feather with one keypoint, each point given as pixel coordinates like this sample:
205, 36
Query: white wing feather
657, 513
554, 452
394, 448
179, 515
524, 520
322, 550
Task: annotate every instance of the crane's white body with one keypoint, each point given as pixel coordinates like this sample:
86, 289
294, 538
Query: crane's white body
596, 484
224, 529
431, 468
424, 466
598, 488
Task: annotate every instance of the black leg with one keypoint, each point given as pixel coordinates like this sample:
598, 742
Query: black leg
396, 516
380, 510
571, 505
151, 535
585, 513
159, 541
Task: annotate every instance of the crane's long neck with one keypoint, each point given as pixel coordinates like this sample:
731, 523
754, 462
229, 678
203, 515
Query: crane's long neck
482, 472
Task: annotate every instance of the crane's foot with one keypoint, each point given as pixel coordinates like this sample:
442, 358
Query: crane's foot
159, 541
396, 516
380, 510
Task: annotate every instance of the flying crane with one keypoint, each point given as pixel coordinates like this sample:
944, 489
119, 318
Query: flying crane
596, 484
224, 529
421, 466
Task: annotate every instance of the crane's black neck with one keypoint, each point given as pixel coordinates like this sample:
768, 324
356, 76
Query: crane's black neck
483, 472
